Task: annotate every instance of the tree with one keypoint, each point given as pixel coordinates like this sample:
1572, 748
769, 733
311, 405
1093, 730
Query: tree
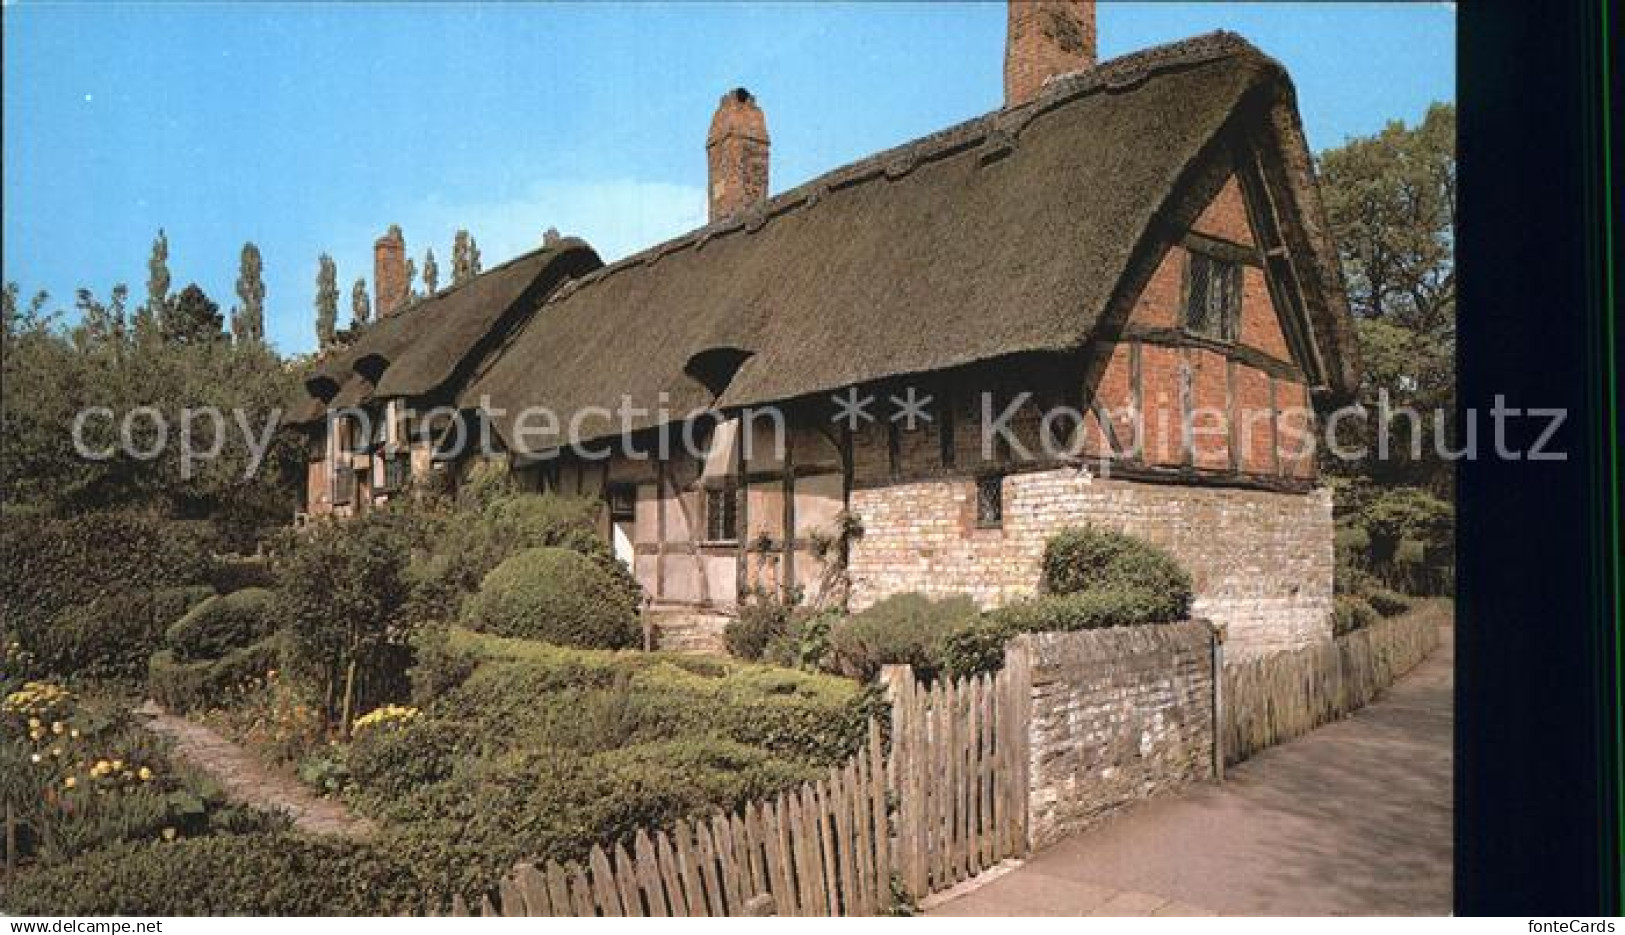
193, 318
1391, 205
465, 258
248, 321
327, 302
360, 305
431, 273
149, 316
102, 326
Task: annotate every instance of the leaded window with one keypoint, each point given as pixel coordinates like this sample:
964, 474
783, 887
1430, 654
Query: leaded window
1212, 297
722, 513
990, 501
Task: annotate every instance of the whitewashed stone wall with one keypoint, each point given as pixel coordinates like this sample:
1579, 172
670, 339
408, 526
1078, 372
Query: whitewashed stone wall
1261, 561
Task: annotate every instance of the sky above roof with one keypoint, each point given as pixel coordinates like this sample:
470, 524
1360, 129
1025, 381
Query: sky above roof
311, 128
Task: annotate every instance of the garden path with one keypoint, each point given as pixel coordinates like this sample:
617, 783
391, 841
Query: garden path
247, 780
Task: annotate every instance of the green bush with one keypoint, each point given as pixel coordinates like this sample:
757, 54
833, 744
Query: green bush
762, 620
108, 638
468, 543
1387, 603
905, 629
171, 604
1089, 558
558, 596
180, 685
237, 573
342, 589
1350, 613
393, 762
979, 647
223, 623
53, 570
277, 874
805, 644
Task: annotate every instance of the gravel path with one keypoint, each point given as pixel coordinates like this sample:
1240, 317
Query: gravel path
245, 779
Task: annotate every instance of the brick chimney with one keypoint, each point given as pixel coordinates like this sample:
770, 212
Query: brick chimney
736, 154
389, 283
1046, 38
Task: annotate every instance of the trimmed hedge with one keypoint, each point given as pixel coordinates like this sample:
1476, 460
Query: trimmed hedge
980, 647
107, 638
223, 623
558, 596
1088, 558
902, 629
196, 686
1388, 603
277, 874
1350, 613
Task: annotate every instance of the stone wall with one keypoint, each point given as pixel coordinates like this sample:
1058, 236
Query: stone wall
1261, 561
1118, 716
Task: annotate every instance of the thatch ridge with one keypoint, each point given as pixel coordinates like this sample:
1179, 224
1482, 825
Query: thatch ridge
1001, 235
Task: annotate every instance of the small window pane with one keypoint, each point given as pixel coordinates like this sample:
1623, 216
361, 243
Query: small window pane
1213, 297
990, 501
722, 514
623, 501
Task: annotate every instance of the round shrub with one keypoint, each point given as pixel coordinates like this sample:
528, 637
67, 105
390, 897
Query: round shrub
223, 623
1350, 613
557, 596
1089, 558
180, 685
171, 604
904, 629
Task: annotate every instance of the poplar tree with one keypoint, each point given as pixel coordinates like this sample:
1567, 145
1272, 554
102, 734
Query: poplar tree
465, 258
248, 320
431, 273
360, 305
327, 302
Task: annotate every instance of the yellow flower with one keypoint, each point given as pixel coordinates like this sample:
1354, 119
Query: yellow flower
33, 723
35, 758
118, 765
145, 774
169, 834
74, 733
69, 783
58, 727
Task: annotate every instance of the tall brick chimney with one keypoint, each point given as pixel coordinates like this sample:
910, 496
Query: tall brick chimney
389, 283
1046, 38
736, 153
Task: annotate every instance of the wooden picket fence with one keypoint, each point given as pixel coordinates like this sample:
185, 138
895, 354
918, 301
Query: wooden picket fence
1275, 698
959, 767
956, 774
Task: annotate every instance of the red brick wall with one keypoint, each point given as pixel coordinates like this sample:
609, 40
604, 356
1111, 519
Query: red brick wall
736, 152
1045, 38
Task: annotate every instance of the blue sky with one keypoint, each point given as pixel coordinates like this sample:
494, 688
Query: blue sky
313, 127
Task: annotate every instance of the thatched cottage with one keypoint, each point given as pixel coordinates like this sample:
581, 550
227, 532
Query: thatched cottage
1113, 300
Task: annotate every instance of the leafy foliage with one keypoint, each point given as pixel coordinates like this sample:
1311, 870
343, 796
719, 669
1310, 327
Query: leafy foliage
556, 595
902, 629
222, 624
979, 647
1350, 613
1089, 558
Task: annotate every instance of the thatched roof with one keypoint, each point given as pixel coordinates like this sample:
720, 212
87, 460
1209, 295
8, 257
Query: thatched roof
432, 344
1006, 234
